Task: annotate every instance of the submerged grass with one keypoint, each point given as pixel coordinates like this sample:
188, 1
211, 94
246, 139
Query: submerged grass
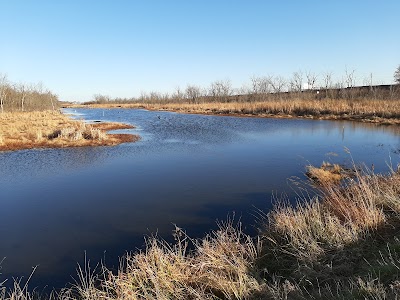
52, 129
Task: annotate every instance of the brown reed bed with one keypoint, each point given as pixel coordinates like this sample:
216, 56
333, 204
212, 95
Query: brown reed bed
343, 243
52, 129
365, 110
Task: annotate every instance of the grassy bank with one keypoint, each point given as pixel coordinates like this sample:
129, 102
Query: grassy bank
344, 243
375, 111
52, 129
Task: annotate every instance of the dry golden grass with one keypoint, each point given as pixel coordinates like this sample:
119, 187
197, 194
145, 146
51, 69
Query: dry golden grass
342, 215
218, 266
376, 111
327, 173
52, 129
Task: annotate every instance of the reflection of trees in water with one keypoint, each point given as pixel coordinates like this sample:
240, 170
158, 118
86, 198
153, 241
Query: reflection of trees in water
327, 127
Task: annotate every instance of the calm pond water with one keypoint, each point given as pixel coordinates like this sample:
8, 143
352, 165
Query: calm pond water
188, 170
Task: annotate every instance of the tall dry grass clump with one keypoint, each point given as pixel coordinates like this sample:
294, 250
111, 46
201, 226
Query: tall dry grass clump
218, 267
341, 214
337, 238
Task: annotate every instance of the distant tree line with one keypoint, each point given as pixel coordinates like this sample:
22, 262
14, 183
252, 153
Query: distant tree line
304, 85
25, 97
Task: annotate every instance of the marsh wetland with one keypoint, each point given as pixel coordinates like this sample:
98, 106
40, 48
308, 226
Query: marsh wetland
189, 170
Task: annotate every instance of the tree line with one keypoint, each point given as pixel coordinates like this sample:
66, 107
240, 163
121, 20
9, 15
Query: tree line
304, 85
25, 97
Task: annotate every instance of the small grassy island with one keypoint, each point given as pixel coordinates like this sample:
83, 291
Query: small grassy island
52, 129
30, 118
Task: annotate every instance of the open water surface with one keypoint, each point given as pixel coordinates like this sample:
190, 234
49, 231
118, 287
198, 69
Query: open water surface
188, 170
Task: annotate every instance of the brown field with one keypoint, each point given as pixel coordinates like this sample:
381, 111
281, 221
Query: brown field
52, 129
374, 111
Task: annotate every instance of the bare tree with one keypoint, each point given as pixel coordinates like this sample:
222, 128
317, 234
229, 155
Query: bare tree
98, 98
193, 93
350, 78
397, 75
221, 90
278, 83
296, 83
260, 86
23, 90
3, 90
327, 81
52, 99
177, 95
311, 80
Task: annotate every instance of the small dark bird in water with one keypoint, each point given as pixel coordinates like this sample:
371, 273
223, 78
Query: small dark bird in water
159, 117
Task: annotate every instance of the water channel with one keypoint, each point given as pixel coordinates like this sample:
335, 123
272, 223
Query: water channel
189, 170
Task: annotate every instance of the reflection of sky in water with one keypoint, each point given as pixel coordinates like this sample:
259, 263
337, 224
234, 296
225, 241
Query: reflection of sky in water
187, 170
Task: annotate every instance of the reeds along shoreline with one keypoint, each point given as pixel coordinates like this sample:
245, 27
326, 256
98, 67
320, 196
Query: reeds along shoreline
375, 111
341, 244
52, 129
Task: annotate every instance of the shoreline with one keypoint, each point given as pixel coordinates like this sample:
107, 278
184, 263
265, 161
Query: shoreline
53, 129
228, 109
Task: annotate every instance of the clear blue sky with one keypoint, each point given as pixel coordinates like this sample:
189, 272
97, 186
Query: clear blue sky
78, 48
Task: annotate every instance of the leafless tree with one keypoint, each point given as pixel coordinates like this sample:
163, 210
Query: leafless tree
261, 86
98, 98
52, 99
296, 82
327, 81
193, 93
350, 78
3, 90
397, 75
23, 90
177, 95
277, 83
220, 90
311, 80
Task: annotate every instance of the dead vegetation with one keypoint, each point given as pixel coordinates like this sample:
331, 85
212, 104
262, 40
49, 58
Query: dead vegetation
52, 129
328, 173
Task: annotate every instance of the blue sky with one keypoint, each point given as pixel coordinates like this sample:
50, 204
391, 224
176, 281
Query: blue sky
79, 48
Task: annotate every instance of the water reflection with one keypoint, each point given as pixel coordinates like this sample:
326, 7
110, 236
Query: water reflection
187, 170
